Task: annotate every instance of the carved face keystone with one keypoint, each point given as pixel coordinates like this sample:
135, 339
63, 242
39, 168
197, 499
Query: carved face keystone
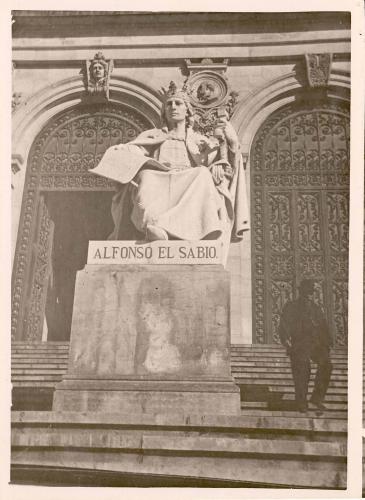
97, 71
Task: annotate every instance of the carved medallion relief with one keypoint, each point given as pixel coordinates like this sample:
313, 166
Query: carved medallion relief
210, 94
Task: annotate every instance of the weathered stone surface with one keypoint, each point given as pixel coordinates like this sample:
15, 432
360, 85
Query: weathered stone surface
172, 442
133, 325
238, 423
150, 321
297, 452
278, 472
186, 398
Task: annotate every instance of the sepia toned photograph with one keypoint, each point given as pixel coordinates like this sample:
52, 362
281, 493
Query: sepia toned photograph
180, 248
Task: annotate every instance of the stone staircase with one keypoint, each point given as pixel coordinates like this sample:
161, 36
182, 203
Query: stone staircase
264, 375
177, 450
262, 371
268, 445
35, 370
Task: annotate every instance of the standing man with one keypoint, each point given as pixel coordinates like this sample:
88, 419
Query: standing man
304, 332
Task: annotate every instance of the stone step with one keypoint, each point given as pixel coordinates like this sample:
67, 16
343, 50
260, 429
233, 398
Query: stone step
278, 372
286, 406
38, 371
35, 383
272, 356
36, 378
330, 398
37, 356
60, 342
339, 387
38, 366
265, 348
40, 345
280, 350
275, 395
293, 414
254, 358
39, 351
242, 374
231, 423
273, 347
275, 365
170, 443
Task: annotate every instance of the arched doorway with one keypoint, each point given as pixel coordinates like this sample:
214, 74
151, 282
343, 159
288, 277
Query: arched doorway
63, 207
299, 209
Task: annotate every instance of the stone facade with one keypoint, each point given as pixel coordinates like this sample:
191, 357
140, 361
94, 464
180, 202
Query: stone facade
267, 68
83, 81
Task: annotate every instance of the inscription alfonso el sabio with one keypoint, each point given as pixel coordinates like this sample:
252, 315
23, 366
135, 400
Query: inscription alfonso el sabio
157, 252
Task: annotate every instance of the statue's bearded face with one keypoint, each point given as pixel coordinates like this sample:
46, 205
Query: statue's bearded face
175, 110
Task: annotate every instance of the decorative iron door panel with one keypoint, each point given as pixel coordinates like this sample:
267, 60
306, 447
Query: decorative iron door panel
60, 159
299, 205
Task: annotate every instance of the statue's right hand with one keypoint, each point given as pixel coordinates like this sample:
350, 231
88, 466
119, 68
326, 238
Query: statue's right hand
217, 172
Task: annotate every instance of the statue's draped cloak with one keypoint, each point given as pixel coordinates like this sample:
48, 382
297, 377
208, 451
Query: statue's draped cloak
187, 197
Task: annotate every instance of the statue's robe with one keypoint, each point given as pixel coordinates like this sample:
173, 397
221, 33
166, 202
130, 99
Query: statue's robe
184, 201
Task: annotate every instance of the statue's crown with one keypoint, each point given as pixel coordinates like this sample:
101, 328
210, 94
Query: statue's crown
99, 57
174, 91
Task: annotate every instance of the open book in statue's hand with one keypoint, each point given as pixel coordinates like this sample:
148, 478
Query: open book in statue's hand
122, 164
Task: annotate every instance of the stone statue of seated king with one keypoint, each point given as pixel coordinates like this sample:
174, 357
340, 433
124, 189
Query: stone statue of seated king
181, 185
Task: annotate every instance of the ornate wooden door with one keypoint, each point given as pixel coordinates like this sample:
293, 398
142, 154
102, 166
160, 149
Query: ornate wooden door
60, 158
39, 272
299, 208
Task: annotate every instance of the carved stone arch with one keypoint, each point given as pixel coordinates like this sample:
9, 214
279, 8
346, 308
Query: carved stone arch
253, 110
63, 152
299, 209
34, 113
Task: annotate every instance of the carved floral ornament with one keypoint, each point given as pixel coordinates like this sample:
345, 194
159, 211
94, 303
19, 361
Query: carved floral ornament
318, 68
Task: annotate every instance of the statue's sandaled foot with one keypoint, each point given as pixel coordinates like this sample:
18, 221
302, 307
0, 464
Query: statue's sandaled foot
154, 233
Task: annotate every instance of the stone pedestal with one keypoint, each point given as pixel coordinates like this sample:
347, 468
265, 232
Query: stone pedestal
150, 339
